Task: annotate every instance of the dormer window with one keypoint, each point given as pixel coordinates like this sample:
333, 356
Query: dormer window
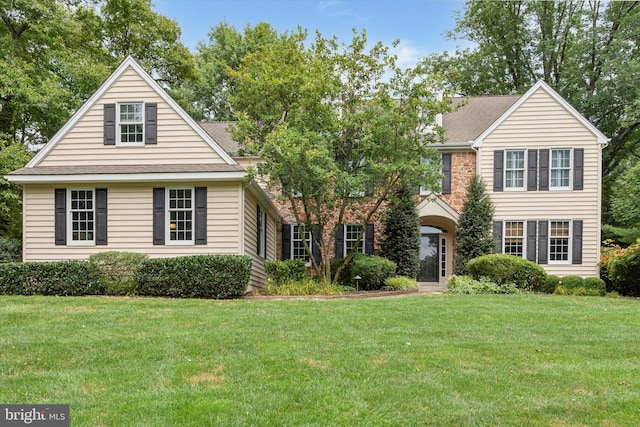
131, 123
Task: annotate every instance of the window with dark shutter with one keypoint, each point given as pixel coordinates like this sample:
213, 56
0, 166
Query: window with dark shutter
578, 168
543, 178
201, 215
446, 172
497, 234
576, 253
532, 170
286, 241
369, 239
158, 216
543, 242
339, 246
109, 124
151, 123
101, 216
498, 170
60, 195
531, 240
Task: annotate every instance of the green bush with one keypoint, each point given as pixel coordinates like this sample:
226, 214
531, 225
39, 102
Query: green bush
550, 284
595, 284
469, 285
621, 268
59, 278
401, 283
10, 250
577, 291
503, 269
118, 271
306, 286
373, 271
281, 272
200, 276
571, 282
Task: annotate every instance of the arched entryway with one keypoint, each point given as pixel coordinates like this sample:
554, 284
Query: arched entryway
437, 240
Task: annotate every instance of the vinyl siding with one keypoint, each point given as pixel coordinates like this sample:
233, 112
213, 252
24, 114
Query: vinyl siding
542, 123
130, 223
177, 143
258, 274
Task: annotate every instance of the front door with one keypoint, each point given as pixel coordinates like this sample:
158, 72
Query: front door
429, 258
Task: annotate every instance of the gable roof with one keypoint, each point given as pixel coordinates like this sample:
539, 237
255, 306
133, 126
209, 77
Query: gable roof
541, 85
129, 62
474, 115
219, 132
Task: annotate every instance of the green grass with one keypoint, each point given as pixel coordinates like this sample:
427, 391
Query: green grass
416, 360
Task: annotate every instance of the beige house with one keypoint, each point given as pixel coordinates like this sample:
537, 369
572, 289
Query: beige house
131, 171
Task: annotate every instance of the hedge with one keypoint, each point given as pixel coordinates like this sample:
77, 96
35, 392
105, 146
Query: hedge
281, 272
373, 271
59, 278
503, 269
199, 276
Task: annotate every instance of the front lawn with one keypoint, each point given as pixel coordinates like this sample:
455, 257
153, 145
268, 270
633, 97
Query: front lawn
407, 361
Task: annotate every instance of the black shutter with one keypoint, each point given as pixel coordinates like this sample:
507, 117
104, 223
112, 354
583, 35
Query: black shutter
578, 168
265, 221
446, 171
543, 242
543, 184
158, 216
60, 195
576, 254
369, 239
531, 240
339, 242
201, 216
315, 250
497, 234
532, 170
286, 241
151, 123
498, 170
109, 124
101, 216
258, 228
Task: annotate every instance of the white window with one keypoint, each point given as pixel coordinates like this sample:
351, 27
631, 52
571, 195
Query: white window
82, 216
513, 240
262, 232
560, 168
559, 233
131, 123
299, 233
351, 233
180, 218
514, 170
443, 257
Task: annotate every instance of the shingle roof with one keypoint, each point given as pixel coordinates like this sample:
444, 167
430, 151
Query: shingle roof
469, 121
127, 169
218, 131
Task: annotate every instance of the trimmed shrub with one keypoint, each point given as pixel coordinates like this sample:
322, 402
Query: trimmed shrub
10, 250
118, 271
373, 271
571, 282
595, 284
306, 286
469, 285
550, 284
199, 276
401, 283
281, 272
59, 278
503, 269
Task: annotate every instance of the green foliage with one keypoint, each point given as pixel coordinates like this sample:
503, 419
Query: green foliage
550, 284
117, 271
321, 112
571, 282
621, 268
12, 156
484, 285
596, 284
373, 271
474, 232
401, 283
10, 250
625, 198
623, 236
578, 286
401, 242
503, 269
200, 276
281, 272
60, 278
305, 286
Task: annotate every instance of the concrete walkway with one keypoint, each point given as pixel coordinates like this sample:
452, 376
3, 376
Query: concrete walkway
432, 287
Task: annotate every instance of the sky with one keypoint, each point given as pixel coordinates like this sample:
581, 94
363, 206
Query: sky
420, 25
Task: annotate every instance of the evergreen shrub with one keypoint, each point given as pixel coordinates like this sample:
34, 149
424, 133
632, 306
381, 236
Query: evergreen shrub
118, 271
373, 271
502, 269
484, 285
281, 272
199, 276
401, 283
59, 278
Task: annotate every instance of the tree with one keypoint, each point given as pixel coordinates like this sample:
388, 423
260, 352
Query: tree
210, 90
12, 157
474, 235
340, 129
401, 242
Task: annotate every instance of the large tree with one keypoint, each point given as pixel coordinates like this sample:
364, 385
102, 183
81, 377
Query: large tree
339, 127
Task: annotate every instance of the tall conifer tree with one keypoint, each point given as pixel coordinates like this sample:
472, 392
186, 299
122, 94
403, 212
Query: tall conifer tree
402, 234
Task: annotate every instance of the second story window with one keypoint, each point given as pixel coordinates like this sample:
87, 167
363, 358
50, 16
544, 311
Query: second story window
560, 168
514, 170
131, 124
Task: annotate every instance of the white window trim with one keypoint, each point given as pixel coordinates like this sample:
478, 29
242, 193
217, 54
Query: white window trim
569, 242
524, 235
344, 242
118, 125
70, 240
570, 186
167, 217
524, 171
309, 242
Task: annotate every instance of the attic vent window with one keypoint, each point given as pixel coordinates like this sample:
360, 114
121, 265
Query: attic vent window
131, 123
